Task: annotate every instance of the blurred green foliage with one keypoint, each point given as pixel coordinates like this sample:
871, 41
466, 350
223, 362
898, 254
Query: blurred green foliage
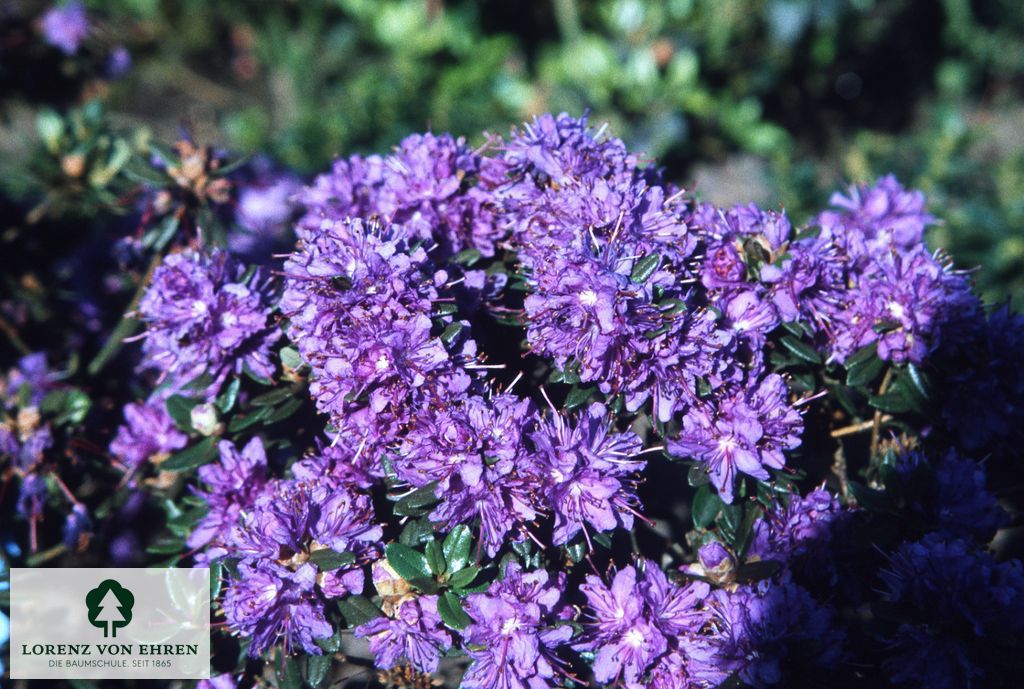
775, 101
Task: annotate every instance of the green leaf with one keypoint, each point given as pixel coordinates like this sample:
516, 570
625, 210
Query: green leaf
271, 398
290, 358
288, 675
870, 499
435, 558
327, 560
864, 371
358, 610
456, 548
408, 563
282, 412
445, 309
226, 402
464, 577
757, 571
203, 452
892, 402
698, 476
577, 396
331, 644
919, 381
418, 502
467, 257
316, 669
801, 350
449, 607
166, 546
240, 423
180, 410
706, 506
451, 332
644, 268
216, 578
576, 550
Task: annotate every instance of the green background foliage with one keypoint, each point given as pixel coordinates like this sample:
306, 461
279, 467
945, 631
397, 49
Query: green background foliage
773, 101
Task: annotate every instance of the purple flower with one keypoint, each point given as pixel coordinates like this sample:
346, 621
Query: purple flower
233, 484
774, 634
269, 602
746, 431
29, 381
31, 496
339, 463
473, 449
882, 212
983, 384
203, 314
148, 433
801, 528
962, 613
415, 633
291, 520
951, 495
77, 529
622, 635
514, 633
65, 26
357, 297
586, 471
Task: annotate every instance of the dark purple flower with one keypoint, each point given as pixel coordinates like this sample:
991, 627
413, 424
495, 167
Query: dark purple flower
983, 384
623, 635
77, 529
951, 495
774, 634
291, 520
415, 633
514, 633
963, 613
473, 448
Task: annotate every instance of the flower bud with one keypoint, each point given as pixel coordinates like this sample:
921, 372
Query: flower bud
718, 563
204, 419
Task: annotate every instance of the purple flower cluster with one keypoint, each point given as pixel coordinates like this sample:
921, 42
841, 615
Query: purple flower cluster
359, 296
773, 633
280, 593
950, 496
148, 434
414, 633
426, 185
984, 384
204, 313
500, 462
957, 608
517, 626
867, 277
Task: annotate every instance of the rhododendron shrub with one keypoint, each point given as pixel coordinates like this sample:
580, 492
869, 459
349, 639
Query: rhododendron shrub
530, 415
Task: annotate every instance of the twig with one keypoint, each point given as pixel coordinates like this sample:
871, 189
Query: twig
877, 421
853, 429
128, 322
13, 336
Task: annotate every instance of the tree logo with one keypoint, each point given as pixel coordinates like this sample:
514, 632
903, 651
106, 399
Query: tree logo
110, 607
